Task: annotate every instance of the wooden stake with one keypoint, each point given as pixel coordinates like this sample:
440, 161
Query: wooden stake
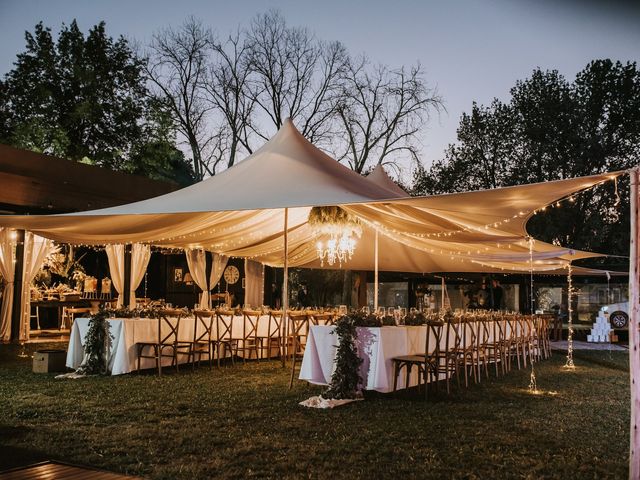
634, 333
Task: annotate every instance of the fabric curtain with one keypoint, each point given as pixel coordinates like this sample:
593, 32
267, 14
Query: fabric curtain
254, 283
36, 249
140, 255
217, 269
115, 255
197, 262
7, 271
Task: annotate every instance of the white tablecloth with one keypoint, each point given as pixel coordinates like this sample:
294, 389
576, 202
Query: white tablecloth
376, 346
127, 332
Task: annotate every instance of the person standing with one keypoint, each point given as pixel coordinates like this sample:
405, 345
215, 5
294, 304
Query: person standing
303, 296
497, 293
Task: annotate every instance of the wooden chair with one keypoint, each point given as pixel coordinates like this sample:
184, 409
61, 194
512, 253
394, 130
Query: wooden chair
273, 339
499, 344
202, 341
322, 319
298, 332
467, 348
168, 330
250, 342
69, 315
224, 342
449, 359
34, 313
541, 344
482, 350
426, 362
517, 341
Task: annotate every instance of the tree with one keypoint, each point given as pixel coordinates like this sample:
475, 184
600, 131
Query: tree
157, 156
228, 89
382, 112
82, 98
178, 63
295, 76
552, 129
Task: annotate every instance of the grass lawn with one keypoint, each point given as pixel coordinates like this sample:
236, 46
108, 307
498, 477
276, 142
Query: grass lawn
243, 422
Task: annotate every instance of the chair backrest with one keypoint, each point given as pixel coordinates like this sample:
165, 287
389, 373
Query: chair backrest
275, 324
484, 331
321, 318
224, 325
250, 325
299, 322
499, 329
454, 335
433, 338
203, 326
169, 325
469, 333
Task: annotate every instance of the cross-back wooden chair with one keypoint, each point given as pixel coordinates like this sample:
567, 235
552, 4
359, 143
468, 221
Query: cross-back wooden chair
298, 332
168, 325
499, 345
273, 339
449, 359
202, 338
427, 362
322, 319
483, 356
223, 342
250, 341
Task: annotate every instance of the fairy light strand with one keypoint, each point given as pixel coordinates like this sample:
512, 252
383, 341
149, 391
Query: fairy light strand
569, 363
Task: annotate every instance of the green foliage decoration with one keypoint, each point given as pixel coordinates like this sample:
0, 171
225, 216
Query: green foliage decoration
345, 380
97, 345
415, 319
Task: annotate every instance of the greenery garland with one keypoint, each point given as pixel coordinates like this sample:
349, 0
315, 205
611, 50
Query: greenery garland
332, 220
345, 380
97, 344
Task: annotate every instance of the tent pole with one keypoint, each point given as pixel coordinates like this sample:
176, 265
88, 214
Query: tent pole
285, 287
634, 333
375, 279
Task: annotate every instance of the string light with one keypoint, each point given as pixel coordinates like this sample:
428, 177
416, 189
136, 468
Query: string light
569, 364
533, 384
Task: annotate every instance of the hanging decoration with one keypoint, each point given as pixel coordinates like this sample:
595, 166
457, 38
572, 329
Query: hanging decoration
340, 231
533, 384
569, 363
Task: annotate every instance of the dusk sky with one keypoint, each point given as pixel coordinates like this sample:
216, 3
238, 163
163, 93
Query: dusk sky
472, 50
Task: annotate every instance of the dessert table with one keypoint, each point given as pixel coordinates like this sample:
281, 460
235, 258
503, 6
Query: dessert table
127, 332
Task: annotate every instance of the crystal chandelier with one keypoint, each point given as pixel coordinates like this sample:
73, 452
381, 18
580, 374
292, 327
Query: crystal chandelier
340, 231
336, 248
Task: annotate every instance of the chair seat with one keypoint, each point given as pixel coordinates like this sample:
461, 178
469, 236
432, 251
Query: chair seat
411, 358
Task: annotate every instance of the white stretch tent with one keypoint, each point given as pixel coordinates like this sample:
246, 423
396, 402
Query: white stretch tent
240, 212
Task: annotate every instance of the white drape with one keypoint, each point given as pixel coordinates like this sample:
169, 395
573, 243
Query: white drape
254, 283
36, 249
217, 269
7, 268
197, 262
115, 255
140, 255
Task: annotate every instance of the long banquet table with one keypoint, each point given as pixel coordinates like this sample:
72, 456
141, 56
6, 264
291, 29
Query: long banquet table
127, 332
377, 346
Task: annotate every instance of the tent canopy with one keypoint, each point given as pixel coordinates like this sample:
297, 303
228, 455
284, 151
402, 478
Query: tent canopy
240, 212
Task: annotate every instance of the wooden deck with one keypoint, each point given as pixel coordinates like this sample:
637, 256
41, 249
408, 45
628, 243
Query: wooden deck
59, 471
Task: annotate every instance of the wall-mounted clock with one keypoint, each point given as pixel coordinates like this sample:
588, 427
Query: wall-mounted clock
231, 274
